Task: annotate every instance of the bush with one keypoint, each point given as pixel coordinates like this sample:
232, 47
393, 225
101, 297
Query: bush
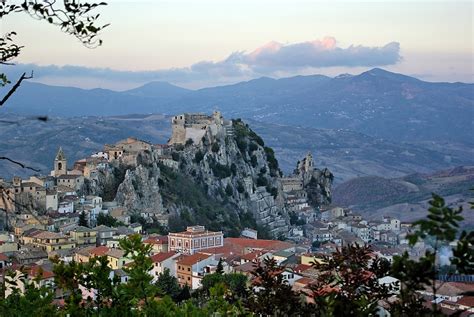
240, 187
198, 156
189, 142
175, 156
262, 181
219, 170
229, 190
215, 147
252, 147
253, 161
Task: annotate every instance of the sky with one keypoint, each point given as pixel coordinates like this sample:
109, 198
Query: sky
204, 43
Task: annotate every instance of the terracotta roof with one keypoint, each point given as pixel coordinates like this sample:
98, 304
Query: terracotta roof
37, 270
467, 301
157, 240
304, 281
99, 251
46, 235
252, 255
258, 244
302, 267
115, 253
193, 259
452, 288
160, 257
3, 257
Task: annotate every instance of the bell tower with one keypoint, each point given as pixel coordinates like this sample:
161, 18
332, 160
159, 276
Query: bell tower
60, 163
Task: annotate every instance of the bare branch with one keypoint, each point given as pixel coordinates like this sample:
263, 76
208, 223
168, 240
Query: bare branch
15, 87
19, 164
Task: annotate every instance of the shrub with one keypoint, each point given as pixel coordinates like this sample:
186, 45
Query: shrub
198, 156
215, 147
253, 161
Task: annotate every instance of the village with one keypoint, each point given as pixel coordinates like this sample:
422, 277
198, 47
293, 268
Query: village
57, 221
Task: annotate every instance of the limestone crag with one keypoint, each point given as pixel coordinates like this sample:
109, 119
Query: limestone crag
236, 167
139, 192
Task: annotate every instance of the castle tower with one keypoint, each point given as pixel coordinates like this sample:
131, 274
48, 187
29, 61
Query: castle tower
60, 163
309, 163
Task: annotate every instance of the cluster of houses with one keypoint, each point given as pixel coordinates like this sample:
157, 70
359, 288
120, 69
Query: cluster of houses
189, 256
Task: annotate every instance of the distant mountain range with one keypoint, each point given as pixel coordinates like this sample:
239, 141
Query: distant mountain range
346, 153
377, 103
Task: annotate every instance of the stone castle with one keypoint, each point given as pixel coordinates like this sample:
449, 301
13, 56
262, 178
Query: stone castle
196, 126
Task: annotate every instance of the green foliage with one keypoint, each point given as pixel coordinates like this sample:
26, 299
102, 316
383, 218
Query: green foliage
354, 289
219, 170
139, 286
215, 147
107, 220
252, 147
275, 296
35, 301
262, 181
198, 157
83, 220
253, 161
229, 190
197, 207
240, 187
168, 284
175, 156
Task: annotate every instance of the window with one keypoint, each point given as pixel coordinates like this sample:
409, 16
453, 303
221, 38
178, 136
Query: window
189, 278
189, 269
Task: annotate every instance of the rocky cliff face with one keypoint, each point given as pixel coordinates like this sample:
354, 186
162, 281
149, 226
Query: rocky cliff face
222, 179
318, 185
237, 168
140, 191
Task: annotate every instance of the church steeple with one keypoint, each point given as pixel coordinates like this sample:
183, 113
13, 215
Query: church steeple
60, 155
60, 163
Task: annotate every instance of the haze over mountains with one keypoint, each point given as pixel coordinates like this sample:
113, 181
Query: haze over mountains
376, 123
377, 102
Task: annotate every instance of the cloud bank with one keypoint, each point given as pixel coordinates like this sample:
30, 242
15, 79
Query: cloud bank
267, 60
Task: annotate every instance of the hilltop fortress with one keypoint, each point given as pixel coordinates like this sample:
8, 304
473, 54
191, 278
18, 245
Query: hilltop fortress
196, 126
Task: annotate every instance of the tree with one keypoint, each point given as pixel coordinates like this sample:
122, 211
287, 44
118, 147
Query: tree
106, 220
72, 17
139, 286
168, 284
83, 219
272, 295
441, 225
220, 267
347, 284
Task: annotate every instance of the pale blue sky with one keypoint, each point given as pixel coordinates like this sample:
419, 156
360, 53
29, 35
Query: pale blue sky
435, 37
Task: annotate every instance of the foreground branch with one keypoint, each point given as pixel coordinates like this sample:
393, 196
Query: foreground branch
19, 164
15, 87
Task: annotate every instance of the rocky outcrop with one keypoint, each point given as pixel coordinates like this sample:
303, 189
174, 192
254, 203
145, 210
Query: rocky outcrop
140, 191
318, 187
229, 165
236, 167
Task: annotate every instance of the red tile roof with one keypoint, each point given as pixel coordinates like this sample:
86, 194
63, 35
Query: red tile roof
467, 301
302, 267
3, 257
37, 270
160, 257
273, 245
99, 251
157, 240
193, 259
304, 281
